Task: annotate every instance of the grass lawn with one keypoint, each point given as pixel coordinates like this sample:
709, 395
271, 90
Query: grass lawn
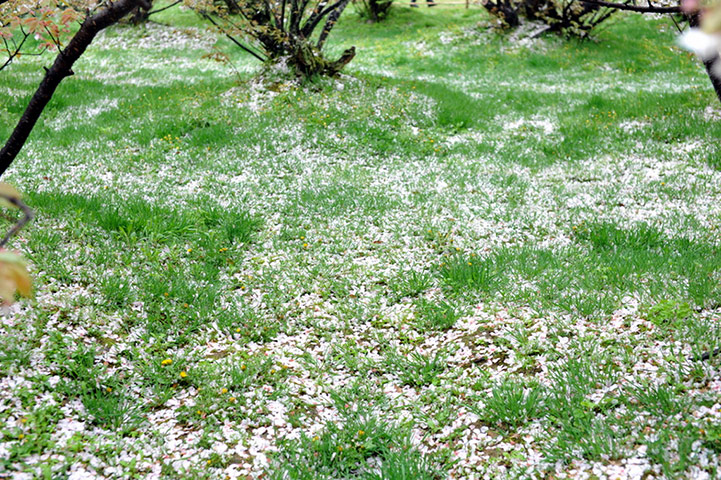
474, 255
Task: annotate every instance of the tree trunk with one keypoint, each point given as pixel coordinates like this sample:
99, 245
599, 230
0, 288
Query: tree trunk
61, 68
693, 21
308, 61
715, 81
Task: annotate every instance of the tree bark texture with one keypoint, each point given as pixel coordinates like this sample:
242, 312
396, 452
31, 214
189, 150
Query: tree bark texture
61, 68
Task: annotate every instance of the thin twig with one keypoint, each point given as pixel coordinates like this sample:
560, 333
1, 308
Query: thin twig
165, 8
676, 24
12, 55
20, 223
232, 39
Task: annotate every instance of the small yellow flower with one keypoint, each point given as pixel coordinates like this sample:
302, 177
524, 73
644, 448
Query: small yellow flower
316, 438
21, 436
224, 390
23, 420
305, 245
190, 250
166, 294
272, 371
183, 374
199, 412
167, 361
109, 389
340, 449
361, 433
185, 305
231, 399
237, 330
243, 367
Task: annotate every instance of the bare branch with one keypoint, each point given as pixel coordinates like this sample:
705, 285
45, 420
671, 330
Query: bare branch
232, 39
15, 50
633, 8
28, 215
317, 16
177, 2
282, 14
331, 22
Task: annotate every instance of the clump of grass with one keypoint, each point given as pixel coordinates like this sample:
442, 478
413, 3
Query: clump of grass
350, 448
416, 369
243, 375
405, 464
114, 410
482, 274
411, 283
513, 403
658, 399
435, 314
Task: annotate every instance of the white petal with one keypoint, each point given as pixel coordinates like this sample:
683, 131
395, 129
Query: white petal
702, 44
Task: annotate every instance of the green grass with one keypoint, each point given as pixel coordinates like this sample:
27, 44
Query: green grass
492, 259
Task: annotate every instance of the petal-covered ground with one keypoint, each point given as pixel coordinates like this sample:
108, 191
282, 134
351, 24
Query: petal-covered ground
474, 255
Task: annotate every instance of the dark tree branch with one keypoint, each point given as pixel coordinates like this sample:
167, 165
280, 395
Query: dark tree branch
632, 8
316, 18
28, 215
332, 18
275, 14
296, 16
153, 12
676, 24
60, 69
313, 15
232, 39
56, 40
282, 14
16, 50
